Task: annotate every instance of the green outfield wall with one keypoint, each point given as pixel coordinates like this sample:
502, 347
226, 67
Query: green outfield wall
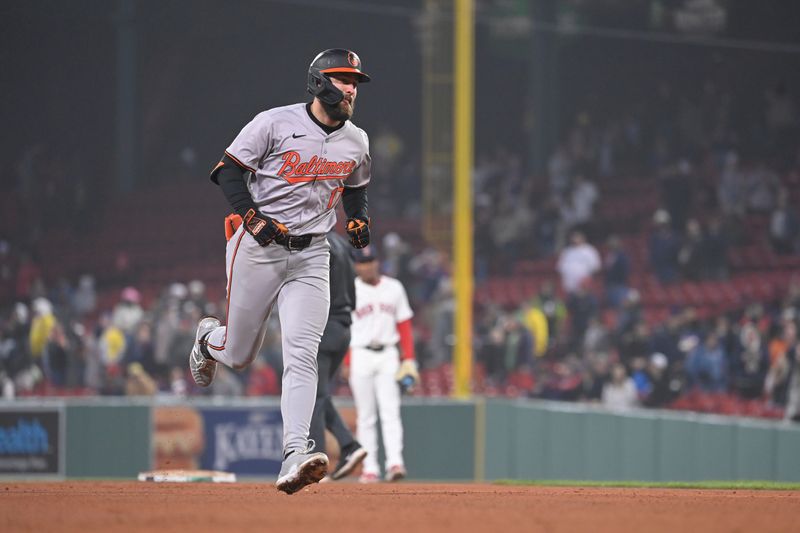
563, 441
480, 439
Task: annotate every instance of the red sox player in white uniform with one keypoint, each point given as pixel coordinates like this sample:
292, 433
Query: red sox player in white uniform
284, 175
381, 320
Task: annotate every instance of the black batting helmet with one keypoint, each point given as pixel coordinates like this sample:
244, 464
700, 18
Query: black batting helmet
328, 62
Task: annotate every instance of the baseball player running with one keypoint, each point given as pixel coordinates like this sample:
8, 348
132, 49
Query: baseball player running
284, 175
381, 319
332, 350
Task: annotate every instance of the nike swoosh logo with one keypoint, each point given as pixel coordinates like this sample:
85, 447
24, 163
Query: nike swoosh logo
199, 360
296, 136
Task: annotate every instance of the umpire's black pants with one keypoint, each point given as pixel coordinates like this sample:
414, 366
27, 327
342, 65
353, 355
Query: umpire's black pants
332, 349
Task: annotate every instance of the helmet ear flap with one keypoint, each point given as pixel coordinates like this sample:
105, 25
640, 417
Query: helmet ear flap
321, 87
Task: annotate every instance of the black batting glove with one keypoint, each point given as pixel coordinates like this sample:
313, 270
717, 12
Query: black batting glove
263, 228
358, 231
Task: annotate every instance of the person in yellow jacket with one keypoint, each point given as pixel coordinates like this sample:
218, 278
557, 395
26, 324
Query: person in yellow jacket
42, 325
536, 322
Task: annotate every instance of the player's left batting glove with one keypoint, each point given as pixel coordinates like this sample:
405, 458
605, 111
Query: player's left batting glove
407, 375
358, 231
263, 228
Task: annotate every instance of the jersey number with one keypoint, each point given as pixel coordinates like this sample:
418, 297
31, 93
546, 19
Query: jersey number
334, 193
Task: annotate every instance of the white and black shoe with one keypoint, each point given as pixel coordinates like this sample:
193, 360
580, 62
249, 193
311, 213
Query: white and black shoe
396, 473
349, 461
300, 469
203, 368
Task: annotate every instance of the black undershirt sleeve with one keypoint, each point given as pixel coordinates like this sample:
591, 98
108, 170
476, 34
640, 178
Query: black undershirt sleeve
354, 201
230, 178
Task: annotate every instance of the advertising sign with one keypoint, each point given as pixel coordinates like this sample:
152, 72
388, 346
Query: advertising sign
246, 441
31, 442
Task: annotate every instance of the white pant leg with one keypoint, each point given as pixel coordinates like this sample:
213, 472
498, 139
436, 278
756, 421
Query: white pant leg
388, 395
303, 304
362, 384
255, 275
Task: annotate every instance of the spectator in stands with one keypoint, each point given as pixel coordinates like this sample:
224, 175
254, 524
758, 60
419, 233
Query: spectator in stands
109, 355
178, 386
140, 349
578, 206
42, 326
663, 247
762, 184
84, 299
564, 381
492, 342
630, 314
597, 338
731, 193
635, 342
617, 268
793, 395
227, 384
167, 319
748, 371
778, 382
677, 192
7, 271
559, 169
655, 385
691, 255
197, 295
619, 394
597, 372
513, 347
262, 379
429, 267
512, 225
707, 364
57, 356
784, 226
582, 306
553, 308
715, 246
15, 356
128, 312
138, 382
666, 336
577, 263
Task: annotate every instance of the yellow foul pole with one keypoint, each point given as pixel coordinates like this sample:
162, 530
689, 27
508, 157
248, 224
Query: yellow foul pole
464, 47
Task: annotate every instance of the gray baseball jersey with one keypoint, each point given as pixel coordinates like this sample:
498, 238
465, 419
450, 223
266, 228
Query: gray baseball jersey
297, 174
297, 171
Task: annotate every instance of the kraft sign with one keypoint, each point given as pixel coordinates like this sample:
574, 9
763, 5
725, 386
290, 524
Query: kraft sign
246, 441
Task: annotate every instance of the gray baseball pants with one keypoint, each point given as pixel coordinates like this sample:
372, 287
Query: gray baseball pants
297, 281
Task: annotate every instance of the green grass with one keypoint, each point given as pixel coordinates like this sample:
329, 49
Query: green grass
719, 485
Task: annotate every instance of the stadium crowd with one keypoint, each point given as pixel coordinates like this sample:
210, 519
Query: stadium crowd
687, 183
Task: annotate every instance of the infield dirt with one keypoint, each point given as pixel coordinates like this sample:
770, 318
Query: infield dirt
348, 507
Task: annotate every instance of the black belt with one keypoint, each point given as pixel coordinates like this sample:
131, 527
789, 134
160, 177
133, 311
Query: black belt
375, 347
294, 242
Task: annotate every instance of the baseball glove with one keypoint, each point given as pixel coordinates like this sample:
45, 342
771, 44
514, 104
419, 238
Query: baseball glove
263, 228
407, 375
358, 231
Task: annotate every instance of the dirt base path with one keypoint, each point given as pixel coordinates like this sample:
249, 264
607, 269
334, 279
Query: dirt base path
408, 508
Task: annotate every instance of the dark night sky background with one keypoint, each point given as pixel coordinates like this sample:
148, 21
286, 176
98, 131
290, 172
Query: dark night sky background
207, 66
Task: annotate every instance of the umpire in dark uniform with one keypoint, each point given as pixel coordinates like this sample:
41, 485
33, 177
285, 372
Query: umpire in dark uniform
332, 350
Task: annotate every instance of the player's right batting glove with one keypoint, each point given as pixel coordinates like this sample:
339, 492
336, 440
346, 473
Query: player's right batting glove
358, 231
263, 228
